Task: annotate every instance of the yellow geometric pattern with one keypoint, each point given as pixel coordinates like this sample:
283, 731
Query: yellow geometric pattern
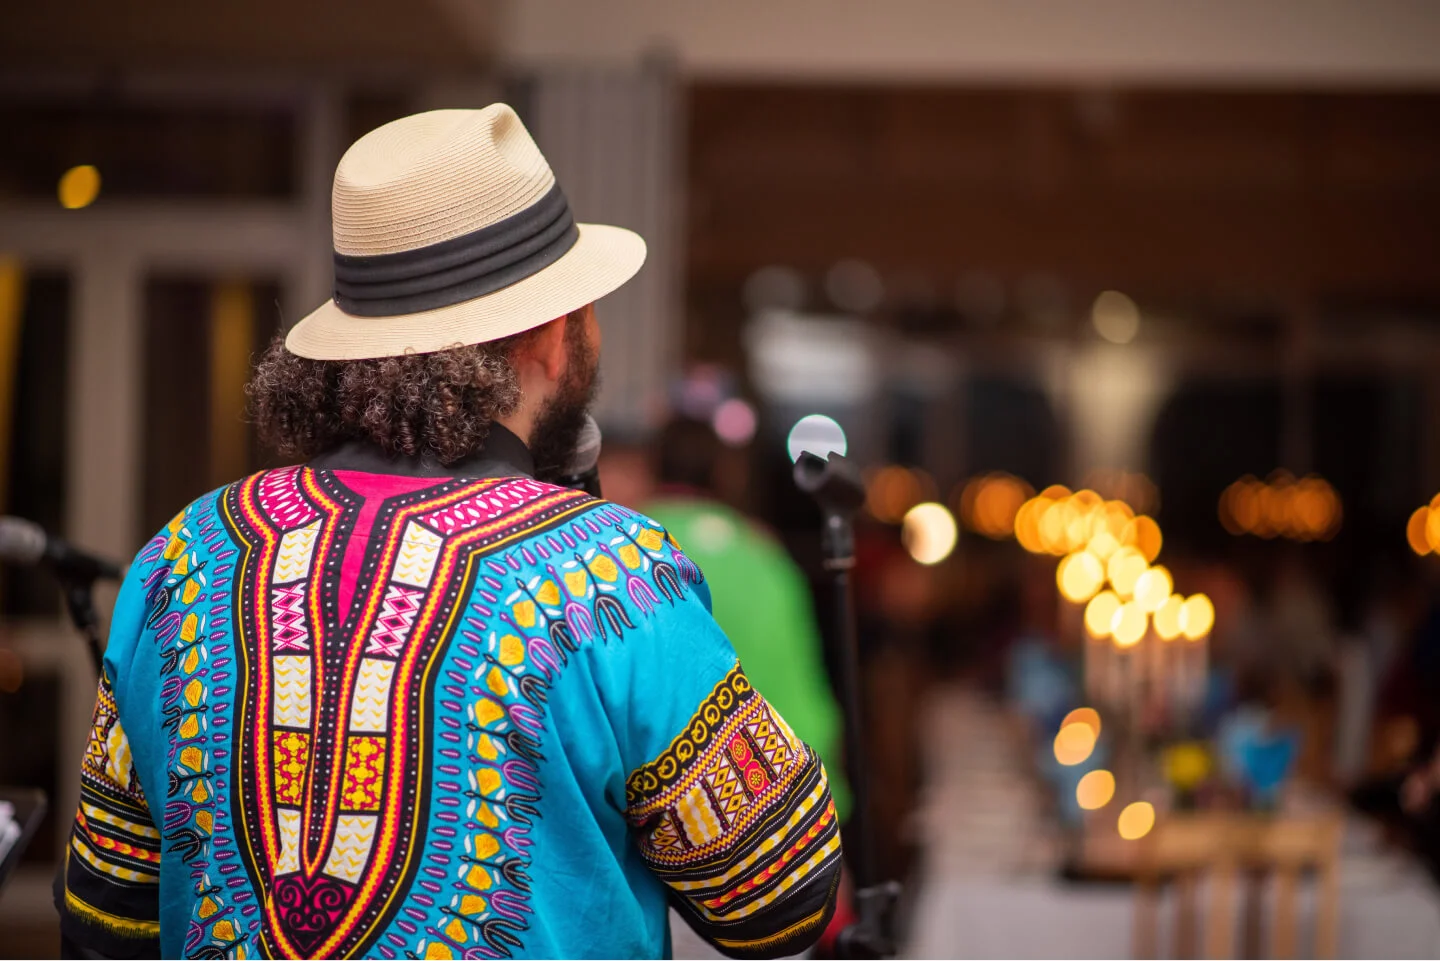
292, 561
370, 705
292, 691
354, 834
364, 773
288, 820
418, 551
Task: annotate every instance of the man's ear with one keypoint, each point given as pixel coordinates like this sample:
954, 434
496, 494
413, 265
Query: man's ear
546, 347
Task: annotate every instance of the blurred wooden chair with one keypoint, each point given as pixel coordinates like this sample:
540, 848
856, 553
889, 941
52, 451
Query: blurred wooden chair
1226, 850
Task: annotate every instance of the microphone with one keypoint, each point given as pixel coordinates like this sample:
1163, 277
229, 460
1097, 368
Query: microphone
583, 471
26, 542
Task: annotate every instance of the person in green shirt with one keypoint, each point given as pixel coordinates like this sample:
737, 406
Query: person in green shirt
759, 594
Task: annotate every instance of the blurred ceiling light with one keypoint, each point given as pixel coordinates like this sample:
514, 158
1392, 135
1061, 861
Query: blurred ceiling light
1083, 715
1152, 589
1144, 535
1095, 790
1416, 531
818, 434
1136, 820
734, 422
929, 532
1167, 618
1115, 316
1197, 617
854, 286
1100, 613
1079, 576
892, 490
774, 288
79, 186
1128, 625
1124, 568
1074, 744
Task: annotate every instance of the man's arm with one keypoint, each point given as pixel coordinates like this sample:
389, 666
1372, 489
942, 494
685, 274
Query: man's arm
736, 817
107, 892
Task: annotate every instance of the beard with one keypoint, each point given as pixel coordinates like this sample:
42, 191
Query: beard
558, 425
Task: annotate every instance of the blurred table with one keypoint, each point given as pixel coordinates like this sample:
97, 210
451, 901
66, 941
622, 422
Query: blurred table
989, 886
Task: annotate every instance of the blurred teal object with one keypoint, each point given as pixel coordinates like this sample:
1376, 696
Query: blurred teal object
1037, 682
1257, 758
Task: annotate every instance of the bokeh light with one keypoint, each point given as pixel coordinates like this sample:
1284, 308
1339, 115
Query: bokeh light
1115, 316
1100, 613
1079, 576
734, 422
1128, 624
1143, 534
817, 434
1083, 715
1152, 589
990, 504
1136, 820
1197, 617
929, 532
79, 186
1167, 618
1417, 531
1095, 790
1124, 569
1308, 509
892, 490
1074, 744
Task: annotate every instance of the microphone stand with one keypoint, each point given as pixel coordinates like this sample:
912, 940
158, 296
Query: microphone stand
79, 591
835, 486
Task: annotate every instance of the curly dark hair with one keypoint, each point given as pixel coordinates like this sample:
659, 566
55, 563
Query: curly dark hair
441, 404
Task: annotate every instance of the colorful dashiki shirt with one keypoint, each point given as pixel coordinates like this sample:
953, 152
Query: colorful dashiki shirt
349, 712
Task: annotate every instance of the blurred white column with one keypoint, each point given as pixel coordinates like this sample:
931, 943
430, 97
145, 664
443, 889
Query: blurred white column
613, 137
103, 501
1110, 396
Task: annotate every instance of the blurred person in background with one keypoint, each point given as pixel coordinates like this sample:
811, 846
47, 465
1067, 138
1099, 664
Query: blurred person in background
409, 699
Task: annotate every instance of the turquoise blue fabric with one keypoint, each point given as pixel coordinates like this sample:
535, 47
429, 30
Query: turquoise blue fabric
487, 803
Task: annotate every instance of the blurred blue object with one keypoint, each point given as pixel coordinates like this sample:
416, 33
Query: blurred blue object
1038, 683
1255, 757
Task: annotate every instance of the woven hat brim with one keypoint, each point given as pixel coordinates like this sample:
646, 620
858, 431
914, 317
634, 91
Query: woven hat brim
602, 259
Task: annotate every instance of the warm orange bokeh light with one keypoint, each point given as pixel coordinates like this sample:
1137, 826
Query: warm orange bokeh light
1100, 612
1128, 625
1197, 617
1136, 820
1417, 532
1083, 715
1095, 790
1074, 744
1079, 576
893, 490
990, 504
1167, 618
1307, 509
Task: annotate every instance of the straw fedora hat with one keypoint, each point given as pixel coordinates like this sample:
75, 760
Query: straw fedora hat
450, 230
